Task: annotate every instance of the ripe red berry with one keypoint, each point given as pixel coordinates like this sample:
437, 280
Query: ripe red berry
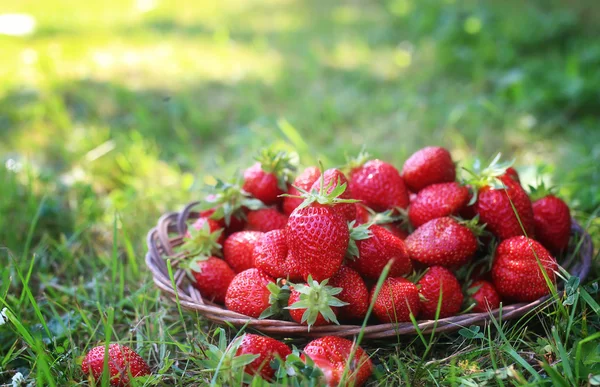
377, 250
265, 220
331, 355
379, 186
354, 292
439, 281
517, 269
552, 219
123, 362
238, 250
437, 201
248, 293
442, 242
303, 181
484, 296
397, 299
212, 277
430, 165
269, 349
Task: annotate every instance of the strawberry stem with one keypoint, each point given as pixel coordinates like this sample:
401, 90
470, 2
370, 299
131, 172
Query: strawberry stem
317, 298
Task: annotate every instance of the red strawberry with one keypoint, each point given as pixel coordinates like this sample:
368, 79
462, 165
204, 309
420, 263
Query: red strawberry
513, 174
375, 251
317, 236
248, 293
354, 293
265, 220
428, 166
238, 250
397, 299
269, 349
331, 355
496, 211
303, 181
271, 253
484, 296
267, 178
436, 201
442, 242
314, 303
212, 277
516, 272
438, 280
331, 178
552, 220
378, 185
123, 362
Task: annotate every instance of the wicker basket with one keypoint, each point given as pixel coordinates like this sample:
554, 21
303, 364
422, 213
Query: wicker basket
168, 234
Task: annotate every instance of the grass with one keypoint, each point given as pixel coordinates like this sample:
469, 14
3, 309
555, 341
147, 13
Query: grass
114, 112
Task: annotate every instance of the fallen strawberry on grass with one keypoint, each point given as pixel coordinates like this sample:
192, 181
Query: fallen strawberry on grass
123, 364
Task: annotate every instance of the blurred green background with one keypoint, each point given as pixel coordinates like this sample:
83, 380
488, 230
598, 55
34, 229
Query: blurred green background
129, 107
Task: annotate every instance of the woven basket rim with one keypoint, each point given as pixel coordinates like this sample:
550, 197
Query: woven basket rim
161, 240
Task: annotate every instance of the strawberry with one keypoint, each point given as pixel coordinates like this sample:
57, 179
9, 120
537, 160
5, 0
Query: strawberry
314, 303
495, 195
442, 242
495, 210
317, 233
318, 237
354, 293
331, 179
271, 253
552, 219
304, 181
123, 362
397, 299
331, 355
238, 250
265, 220
484, 296
249, 294
513, 174
377, 184
427, 166
437, 201
268, 350
212, 277
267, 178
375, 250
516, 272
439, 281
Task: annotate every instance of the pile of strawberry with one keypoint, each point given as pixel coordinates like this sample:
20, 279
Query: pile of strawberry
310, 248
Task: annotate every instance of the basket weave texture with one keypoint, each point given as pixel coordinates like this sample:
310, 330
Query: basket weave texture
172, 226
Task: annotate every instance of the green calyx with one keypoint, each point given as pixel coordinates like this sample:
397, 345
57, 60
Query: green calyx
201, 242
322, 195
357, 233
477, 228
479, 177
278, 299
317, 298
280, 163
356, 161
228, 200
540, 191
221, 357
